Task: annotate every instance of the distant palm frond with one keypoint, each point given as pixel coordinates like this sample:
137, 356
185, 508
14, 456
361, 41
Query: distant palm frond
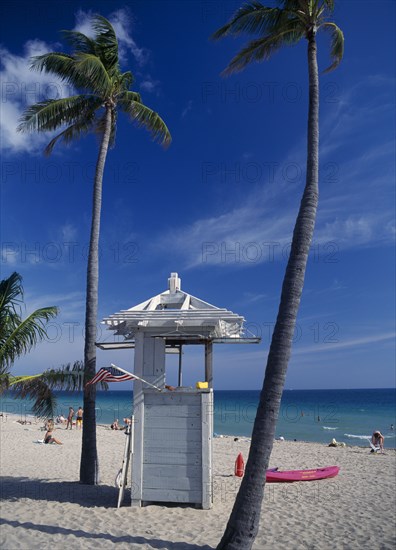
40, 387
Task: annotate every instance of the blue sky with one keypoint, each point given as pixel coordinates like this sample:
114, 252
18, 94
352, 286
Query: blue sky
219, 205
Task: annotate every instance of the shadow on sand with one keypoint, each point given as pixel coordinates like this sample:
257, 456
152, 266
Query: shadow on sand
150, 543
15, 488
88, 496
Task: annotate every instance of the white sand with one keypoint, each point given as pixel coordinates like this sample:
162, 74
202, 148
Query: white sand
43, 505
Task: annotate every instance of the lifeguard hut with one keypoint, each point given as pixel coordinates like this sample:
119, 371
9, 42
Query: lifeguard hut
172, 449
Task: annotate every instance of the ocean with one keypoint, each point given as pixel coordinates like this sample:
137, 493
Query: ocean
349, 416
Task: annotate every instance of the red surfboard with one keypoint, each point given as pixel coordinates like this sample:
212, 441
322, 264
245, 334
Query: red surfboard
276, 476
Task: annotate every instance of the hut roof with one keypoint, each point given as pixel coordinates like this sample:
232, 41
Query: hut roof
177, 314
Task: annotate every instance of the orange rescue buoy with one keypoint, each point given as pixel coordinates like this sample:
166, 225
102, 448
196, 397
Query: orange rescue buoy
239, 466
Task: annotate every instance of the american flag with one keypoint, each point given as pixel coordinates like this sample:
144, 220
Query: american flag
110, 374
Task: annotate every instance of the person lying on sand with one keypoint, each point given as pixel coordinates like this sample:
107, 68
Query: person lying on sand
335, 443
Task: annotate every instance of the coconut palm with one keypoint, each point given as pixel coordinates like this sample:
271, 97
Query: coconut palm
275, 27
93, 70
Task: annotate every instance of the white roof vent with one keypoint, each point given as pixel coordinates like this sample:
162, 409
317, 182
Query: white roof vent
174, 283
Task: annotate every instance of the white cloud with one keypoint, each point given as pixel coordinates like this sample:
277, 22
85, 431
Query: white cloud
352, 343
71, 305
246, 235
22, 87
83, 23
255, 231
150, 85
68, 232
356, 197
121, 21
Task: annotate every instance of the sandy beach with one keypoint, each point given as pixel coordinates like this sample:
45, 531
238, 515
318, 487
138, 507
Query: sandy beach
44, 506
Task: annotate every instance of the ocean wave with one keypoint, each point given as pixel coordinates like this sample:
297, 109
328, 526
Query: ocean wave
327, 428
353, 436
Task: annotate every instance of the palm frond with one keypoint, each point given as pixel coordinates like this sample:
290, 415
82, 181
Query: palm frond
262, 49
337, 44
57, 63
104, 45
4, 382
11, 296
294, 5
106, 42
103, 28
144, 116
251, 18
73, 132
52, 113
329, 4
68, 377
23, 337
80, 42
65, 67
35, 388
128, 96
40, 387
12, 380
84, 70
96, 77
125, 81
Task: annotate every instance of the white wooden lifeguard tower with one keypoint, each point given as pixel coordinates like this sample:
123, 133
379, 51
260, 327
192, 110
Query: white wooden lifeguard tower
172, 450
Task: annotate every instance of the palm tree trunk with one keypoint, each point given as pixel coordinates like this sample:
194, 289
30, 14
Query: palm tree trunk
243, 524
89, 466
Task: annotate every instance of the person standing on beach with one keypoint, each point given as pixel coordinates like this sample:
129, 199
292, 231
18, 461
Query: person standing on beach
79, 418
70, 418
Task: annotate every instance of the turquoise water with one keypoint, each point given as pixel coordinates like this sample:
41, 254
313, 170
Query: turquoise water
349, 416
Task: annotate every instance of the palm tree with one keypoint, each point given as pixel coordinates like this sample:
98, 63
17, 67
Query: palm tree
276, 27
93, 69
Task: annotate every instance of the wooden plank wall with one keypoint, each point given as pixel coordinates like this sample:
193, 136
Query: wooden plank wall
177, 447
149, 365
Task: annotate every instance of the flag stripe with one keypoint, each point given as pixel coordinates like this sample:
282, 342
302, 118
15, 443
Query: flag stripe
110, 374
